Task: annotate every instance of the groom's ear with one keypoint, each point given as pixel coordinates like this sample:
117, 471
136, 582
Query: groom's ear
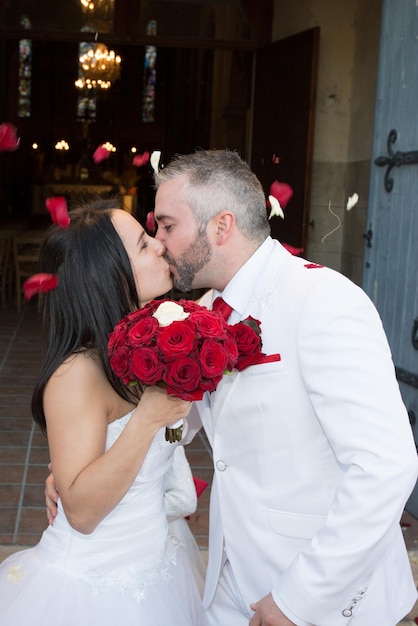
224, 224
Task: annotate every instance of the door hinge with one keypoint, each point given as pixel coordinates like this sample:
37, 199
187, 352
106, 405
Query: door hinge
368, 236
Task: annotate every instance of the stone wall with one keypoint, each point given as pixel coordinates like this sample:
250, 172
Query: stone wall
348, 56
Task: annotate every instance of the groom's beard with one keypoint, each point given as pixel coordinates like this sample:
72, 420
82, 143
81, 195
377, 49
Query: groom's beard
197, 255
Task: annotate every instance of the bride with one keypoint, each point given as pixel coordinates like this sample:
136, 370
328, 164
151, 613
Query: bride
108, 558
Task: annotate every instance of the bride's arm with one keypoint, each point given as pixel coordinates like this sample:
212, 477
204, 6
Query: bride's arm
78, 402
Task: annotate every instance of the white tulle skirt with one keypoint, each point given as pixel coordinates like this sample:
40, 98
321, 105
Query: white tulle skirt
34, 592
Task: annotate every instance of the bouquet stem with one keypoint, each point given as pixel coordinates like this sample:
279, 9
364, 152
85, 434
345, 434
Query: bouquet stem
174, 432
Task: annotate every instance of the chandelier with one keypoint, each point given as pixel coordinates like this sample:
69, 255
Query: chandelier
99, 67
93, 5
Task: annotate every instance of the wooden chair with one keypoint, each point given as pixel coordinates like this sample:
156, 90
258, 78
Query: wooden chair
26, 258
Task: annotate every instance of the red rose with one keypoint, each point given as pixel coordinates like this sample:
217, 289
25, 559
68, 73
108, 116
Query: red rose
190, 306
209, 384
254, 324
189, 356
135, 317
146, 367
119, 362
154, 304
144, 312
118, 337
143, 332
182, 376
176, 340
208, 324
248, 342
231, 350
213, 358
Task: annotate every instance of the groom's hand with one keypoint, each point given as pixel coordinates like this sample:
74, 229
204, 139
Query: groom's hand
267, 613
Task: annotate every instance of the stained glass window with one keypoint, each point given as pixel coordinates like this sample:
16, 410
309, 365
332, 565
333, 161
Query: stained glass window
150, 75
25, 72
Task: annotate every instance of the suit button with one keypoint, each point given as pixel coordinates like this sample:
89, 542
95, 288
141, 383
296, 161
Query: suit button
221, 466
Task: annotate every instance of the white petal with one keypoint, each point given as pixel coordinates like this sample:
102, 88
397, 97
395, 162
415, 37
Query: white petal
155, 160
15, 574
352, 201
276, 209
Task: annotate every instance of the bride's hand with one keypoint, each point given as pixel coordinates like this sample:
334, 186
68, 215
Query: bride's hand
162, 409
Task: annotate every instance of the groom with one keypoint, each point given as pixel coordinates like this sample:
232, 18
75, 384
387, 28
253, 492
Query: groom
313, 455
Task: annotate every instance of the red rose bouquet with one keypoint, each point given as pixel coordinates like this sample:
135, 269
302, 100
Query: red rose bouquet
184, 347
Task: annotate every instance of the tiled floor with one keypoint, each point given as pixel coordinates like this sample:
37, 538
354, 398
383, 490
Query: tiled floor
24, 454
23, 448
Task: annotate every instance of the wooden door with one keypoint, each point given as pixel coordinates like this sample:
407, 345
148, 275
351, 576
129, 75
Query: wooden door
390, 274
283, 126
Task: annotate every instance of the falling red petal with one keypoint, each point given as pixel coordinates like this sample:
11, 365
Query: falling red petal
57, 206
150, 223
200, 485
8, 138
282, 192
39, 283
141, 159
100, 154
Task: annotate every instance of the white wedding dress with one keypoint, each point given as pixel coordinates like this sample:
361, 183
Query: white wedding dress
129, 571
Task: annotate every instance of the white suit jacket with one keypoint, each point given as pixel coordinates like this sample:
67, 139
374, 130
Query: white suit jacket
313, 455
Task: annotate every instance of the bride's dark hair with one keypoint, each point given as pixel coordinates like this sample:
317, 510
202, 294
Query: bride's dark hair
96, 288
